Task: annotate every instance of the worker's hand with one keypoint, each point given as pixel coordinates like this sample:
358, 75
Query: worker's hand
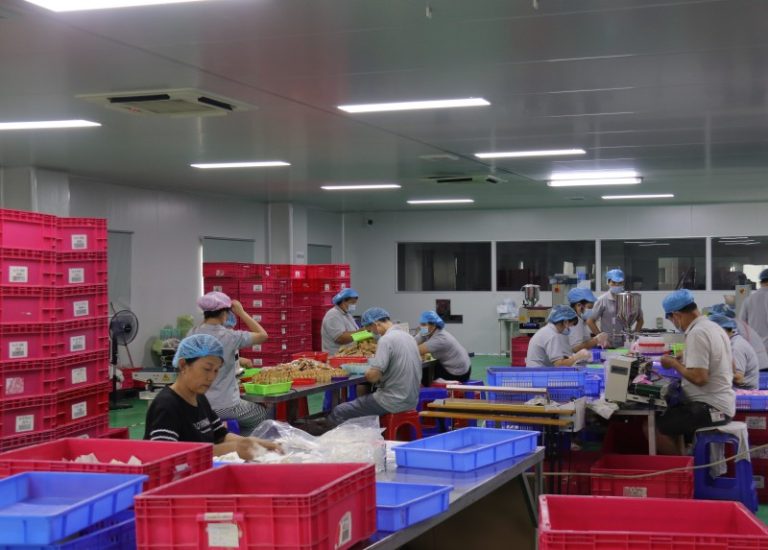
668, 362
602, 339
246, 448
268, 445
237, 308
246, 363
582, 355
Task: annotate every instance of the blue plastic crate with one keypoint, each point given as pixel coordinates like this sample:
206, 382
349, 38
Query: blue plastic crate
751, 402
538, 377
400, 505
561, 395
115, 533
466, 449
38, 508
763, 384
593, 385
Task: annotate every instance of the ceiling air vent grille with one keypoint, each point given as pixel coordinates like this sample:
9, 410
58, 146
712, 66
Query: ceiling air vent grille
171, 103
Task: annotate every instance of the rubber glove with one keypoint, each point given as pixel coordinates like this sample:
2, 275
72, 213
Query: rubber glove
602, 340
582, 355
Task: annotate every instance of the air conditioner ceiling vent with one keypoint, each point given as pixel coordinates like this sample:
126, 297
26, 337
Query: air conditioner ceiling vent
184, 102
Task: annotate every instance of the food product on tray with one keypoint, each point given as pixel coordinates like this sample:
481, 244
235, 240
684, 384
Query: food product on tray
300, 368
366, 348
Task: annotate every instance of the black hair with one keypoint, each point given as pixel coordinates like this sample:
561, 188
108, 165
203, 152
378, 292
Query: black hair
216, 313
690, 308
582, 302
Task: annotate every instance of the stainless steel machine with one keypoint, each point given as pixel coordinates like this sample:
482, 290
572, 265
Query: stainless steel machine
628, 309
531, 317
622, 384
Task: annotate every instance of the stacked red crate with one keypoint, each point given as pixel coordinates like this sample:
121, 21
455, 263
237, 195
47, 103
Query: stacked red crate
53, 321
324, 281
757, 426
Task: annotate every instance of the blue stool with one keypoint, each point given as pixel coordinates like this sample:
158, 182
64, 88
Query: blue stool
328, 397
740, 488
432, 426
232, 426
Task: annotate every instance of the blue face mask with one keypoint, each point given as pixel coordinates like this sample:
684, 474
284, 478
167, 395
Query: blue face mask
616, 289
351, 308
424, 331
566, 332
231, 320
586, 315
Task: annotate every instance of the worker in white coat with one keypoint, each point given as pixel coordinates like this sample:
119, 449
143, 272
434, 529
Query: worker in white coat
605, 311
338, 323
580, 337
754, 312
746, 374
746, 332
549, 347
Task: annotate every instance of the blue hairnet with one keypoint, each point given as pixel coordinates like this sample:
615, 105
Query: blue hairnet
764, 275
723, 321
723, 309
561, 313
374, 314
198, 345
432, 318
577, 295
677, 300
615, 275
345, 294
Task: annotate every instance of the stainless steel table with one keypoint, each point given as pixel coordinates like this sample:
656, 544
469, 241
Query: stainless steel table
493, 507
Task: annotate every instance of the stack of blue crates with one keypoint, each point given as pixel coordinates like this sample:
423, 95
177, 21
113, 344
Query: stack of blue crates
564, 383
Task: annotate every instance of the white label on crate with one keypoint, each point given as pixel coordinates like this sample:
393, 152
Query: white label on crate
218, 288
282, 316
219, 272
345, 530
257, 303
79, 375
327, 287
257, 348
283, 330
639, 492
14, 386
755, 422
759, 482
25, 423
80, 309
761, 453
79, 242
343, 273
297, 274
79, 410
18, 274
18, 350
77, 343
284, 347
258, 288
257, 318
223, 535
257, 362
76, 275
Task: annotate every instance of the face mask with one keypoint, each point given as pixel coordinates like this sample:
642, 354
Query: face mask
231, 320
616, 289
351, 308
566, 332
586, 315
423, 331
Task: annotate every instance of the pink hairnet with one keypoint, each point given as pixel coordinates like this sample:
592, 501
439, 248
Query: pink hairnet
214, 301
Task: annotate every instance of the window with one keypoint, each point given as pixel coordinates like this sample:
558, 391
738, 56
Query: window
738, 261
443, 266
520, 263
228, 250
659, 264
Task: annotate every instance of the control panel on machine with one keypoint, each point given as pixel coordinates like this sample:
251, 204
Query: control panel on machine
631, 379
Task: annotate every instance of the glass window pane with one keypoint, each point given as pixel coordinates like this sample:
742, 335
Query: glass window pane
520, 263
738, 261
443, 266
660, 264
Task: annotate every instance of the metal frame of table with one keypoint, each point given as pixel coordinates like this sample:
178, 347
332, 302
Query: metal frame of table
468, 489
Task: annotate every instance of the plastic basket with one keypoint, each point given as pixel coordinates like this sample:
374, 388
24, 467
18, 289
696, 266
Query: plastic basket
328, 271
162, 461
324, 299
400, 505
751, 402
337, 362
82, 234
18, 441
266, 359
308, 506
27, 304
267, 389
80, 303
267, 300
466, 449
81, 336
97, 426
757, 426
569, 522
321, 356
27, 230
272, 315
20, 342
81, 403
27, 267
262, 286
27, 379
82, 268
670, 485
544, 377
115, 533
79, 370
276, 271
232, 270
27, 415
592, 385
44, 507
229, 287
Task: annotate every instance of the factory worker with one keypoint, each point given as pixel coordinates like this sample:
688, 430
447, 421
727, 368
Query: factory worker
549, 347
706, 371
338, 323
746, 374
580, 337
604, 311
454, 360
181, 412
754, 312
746, 332
221, 314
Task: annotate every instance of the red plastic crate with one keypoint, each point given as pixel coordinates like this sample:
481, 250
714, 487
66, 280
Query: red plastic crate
75, 371
757, 425
276, 271
266, 359
20, 441
27, 342
328, 271
27, 304
162, 461
302, 300
760, 475
227, 286
587, 523
272, 315
324, 299
81, 336
27, 415
321, 356
337, 362
82, 302
284, 330
88, 427
298, 271
252, 302
27, 267
81, 403
82, 268
318, 313
82, 234
27, 230
232, 270
116, 433
27, 379
262, 286
307, 506
670, 485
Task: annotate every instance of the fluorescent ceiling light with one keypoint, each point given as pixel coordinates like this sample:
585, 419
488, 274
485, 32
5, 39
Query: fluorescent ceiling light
360, 187
602, 177
524, 154
258, 164
47, 124
600, 181
639, 242
734, 238
627, 197
441, 201
415, 105
655, 244
78, 5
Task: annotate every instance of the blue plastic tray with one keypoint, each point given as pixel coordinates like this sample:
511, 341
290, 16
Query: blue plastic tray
466, 449
751, 402
38, 508
400, 505
538, 377
763, 384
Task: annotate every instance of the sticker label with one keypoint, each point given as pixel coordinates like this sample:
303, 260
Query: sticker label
79, 242
76, 275
18, 274
756, 422
282, 316
220, 273
80, 309
759, 482
343, 273
223, 535
257, 348
77, 343
258, 362
257, 303
25, 423
218, 288
79, 410
284, 330
345, 530
639, 492
258, 288
18, 350
257, 318
79, 375
14, 386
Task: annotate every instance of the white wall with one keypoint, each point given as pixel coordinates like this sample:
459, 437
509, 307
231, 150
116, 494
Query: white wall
327, 228
167, 230
372, 251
